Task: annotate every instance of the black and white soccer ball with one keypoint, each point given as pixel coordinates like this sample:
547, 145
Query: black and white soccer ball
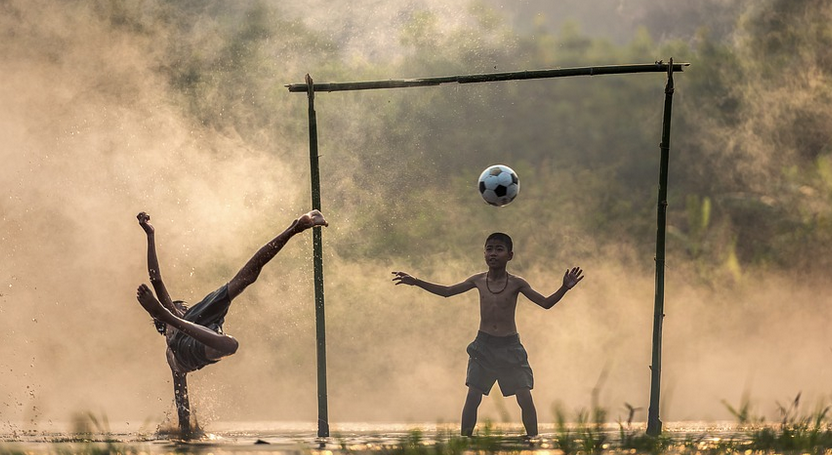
499, 185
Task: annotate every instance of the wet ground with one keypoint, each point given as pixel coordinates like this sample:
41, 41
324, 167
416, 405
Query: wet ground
409, 439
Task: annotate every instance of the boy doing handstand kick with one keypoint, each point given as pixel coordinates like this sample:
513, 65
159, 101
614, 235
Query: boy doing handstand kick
194, 335
496, 354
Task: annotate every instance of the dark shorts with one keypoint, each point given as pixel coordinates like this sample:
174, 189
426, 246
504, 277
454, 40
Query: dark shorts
500, 359
210, 312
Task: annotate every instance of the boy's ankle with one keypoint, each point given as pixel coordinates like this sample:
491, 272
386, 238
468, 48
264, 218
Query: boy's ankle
297, 227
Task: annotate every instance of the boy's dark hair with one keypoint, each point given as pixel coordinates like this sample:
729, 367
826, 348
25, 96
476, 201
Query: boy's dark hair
499, 236
161, 327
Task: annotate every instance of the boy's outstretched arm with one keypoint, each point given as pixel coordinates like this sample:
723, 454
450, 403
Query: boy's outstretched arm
438, 289
570, 279
153, 264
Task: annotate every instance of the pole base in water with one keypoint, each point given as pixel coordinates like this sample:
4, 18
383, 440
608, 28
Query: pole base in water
654, 427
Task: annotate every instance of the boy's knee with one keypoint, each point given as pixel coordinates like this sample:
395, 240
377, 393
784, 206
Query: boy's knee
233, 345
474, 394
524, 397
227, 347
473, 399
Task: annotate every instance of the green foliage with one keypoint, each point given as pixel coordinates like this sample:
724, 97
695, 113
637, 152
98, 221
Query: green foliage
750, 183
88, 427
640, 442
223, 61
796, 432
487, 440
743, 412
585, 435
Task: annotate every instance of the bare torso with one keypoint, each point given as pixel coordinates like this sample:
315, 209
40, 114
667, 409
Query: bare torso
498, 303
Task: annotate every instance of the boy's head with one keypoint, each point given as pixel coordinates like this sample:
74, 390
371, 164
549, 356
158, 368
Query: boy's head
501, 237
161, 327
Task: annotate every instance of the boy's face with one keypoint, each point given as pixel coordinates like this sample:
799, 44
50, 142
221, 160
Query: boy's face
497, 254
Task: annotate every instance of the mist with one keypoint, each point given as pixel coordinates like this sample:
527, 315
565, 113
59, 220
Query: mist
112, 108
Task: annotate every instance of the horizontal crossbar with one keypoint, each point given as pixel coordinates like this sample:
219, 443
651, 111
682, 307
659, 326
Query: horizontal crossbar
657, 67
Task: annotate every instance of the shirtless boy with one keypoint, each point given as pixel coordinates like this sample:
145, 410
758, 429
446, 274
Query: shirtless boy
496, 354
194, 335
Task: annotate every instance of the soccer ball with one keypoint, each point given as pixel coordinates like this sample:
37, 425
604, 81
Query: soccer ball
499, 185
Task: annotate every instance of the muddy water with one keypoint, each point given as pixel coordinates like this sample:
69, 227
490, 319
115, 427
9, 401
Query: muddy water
301, 438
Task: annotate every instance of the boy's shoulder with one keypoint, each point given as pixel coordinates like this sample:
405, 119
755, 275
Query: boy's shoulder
516, 278
478, 276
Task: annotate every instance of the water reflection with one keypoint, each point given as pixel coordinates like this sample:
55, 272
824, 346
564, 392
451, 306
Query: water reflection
412, 439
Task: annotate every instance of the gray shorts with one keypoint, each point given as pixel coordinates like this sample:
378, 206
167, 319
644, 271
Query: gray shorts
210, 312
498, 359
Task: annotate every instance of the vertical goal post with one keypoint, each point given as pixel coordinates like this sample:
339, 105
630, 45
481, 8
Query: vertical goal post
654, 425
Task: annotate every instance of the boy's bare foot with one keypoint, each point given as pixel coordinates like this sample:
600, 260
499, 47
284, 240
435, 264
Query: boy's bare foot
311, 219
531, 440
151, 304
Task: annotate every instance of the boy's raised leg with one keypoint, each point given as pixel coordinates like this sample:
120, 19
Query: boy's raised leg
251, 270
469, 411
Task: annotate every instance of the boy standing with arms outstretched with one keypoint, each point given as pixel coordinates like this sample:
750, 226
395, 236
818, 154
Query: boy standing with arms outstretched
496, 354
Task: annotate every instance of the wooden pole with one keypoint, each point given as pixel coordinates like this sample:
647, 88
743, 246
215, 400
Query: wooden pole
318, 259
657, 67
654, 423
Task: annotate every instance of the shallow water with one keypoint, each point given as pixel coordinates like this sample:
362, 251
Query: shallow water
300, 438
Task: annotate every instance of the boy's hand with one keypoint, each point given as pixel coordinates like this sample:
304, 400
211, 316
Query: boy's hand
572, 277
403, 278
144, 222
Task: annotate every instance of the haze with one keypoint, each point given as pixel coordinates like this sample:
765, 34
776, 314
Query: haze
95, 130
